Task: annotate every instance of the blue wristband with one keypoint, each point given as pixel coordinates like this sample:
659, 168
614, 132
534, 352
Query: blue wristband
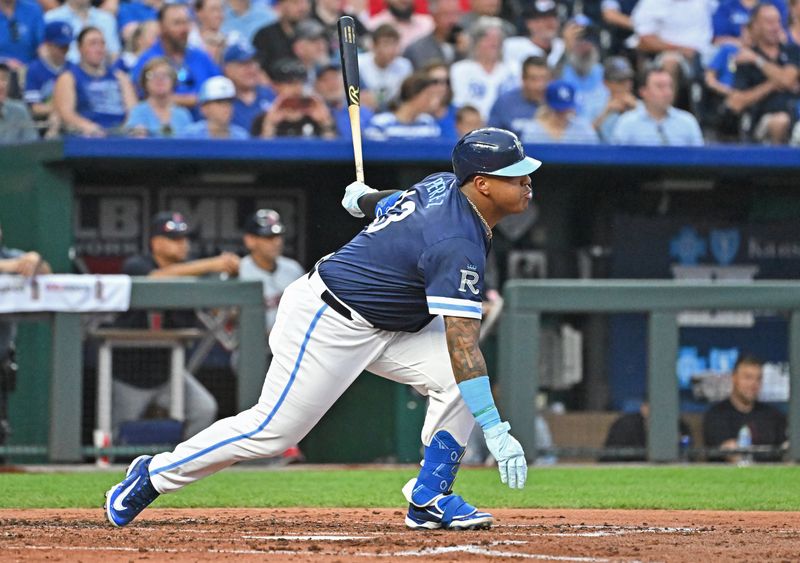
478, 395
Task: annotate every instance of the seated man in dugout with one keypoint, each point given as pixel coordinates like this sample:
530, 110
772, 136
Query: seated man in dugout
141, 376
742, 414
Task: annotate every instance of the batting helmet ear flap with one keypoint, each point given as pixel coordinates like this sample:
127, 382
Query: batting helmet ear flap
491, 151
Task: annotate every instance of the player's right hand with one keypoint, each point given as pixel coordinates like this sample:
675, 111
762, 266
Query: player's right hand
509, 455
352, 193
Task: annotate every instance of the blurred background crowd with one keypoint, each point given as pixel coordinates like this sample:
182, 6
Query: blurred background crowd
648, 72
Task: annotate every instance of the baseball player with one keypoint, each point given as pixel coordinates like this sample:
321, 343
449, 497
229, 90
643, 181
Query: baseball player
263, 237
389, 301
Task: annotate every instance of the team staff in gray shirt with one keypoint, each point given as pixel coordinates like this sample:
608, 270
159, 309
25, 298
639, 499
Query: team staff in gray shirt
656, 121
16, 125
263, 237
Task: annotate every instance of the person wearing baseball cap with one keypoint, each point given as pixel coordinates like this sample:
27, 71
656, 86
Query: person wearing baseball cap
216, 98
252, 98
169, 252
264, 239
310, 46
618, 78
556, 121
541, 20
136, 389
42, 73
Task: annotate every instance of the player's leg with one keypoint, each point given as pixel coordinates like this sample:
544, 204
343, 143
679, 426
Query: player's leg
129, 402
200, 409
318, 354
421, 359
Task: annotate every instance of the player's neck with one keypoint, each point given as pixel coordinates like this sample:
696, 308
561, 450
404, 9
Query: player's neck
482, 206
741, 404
266, 264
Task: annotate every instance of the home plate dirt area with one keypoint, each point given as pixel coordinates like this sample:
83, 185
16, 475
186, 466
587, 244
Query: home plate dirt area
344, 535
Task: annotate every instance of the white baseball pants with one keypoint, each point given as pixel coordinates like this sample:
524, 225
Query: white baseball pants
318, 353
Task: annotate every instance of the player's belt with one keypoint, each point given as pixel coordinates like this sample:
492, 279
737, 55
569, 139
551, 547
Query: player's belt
330, 300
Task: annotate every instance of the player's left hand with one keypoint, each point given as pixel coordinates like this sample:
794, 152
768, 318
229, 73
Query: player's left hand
509, 455
351, 195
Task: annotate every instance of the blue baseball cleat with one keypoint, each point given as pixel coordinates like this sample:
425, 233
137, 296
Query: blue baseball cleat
127, 499
447, 511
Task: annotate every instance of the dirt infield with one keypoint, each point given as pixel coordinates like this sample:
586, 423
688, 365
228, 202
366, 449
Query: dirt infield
326, 536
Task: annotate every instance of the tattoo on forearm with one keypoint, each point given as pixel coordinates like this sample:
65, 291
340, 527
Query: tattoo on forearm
462, 343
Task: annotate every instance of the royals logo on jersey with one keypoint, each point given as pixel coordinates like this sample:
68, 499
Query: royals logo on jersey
424, 256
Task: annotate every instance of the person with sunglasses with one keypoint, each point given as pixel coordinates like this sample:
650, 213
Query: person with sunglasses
158, 115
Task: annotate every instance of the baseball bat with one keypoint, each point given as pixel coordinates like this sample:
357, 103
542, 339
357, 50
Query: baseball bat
352, 89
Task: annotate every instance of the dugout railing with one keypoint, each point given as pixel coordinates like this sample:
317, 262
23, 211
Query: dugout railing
65, 411
526, 301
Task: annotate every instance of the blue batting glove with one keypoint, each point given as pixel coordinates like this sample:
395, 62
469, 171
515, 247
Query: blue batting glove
509, 455
351, 195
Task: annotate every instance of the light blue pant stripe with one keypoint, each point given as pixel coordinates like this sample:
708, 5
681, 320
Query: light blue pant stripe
269, 417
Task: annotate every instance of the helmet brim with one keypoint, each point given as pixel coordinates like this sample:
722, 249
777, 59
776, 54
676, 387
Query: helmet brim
524, 167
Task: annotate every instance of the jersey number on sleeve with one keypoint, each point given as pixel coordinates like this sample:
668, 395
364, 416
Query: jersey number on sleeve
399, 211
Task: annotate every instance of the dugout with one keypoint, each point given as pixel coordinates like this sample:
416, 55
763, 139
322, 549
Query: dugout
96, 195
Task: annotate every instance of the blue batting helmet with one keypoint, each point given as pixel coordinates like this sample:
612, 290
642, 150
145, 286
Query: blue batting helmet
491, 151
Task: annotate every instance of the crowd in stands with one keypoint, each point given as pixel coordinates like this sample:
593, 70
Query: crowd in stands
651, 72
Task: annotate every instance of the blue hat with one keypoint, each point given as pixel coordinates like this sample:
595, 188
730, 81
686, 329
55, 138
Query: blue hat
560, 95
239, 53
491, 151
58, 32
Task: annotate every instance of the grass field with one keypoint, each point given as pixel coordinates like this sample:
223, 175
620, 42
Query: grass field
670, 487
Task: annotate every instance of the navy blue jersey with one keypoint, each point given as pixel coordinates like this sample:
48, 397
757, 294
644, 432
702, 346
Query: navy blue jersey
424, 257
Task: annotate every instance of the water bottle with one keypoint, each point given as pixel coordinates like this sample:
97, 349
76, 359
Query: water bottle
743, 441
685, 444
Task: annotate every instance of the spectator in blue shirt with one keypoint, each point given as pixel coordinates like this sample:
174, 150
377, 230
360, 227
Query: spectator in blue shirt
143, 36
43, 72
656, 121
556, 122
411, 119
157, 115
733, 15
21, 32
618, 77
80, 14
520, 104
329, 87
216, 104
90, 97
240, 64
192, 66
582, 68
